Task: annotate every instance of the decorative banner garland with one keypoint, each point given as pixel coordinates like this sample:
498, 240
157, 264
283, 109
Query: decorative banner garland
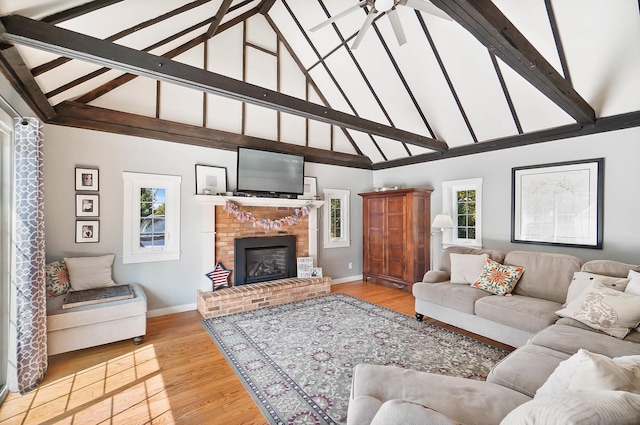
267, 223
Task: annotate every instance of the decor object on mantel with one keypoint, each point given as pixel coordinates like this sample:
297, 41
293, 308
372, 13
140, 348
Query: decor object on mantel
219, 276
300, 371
267, 223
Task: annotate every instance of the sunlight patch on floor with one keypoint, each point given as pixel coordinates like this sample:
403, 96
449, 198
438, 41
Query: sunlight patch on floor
124, 390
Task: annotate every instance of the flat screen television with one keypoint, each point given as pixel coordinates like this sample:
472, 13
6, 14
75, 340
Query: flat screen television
269, 173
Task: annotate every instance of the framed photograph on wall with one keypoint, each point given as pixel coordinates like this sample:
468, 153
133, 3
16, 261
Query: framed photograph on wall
559, 204
87, 231
87, 205
210, 180
310, 188
87, 179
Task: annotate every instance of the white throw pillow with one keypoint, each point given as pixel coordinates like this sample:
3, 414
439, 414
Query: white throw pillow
634, 283
465, 268
586, 408
586, 371
605, 309
582, 280
90, 272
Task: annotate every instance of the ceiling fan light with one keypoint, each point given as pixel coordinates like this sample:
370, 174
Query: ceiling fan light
384, 5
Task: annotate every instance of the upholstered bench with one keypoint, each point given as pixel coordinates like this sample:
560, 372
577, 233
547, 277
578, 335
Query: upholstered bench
86, 326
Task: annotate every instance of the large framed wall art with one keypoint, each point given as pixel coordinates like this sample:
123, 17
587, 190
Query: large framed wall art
559, 204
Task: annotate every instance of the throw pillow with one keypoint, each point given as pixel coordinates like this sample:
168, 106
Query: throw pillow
586, 371
465, 268
90, 272
634, 283
57, 278
587, 408
498, 278
582, 280
605, 309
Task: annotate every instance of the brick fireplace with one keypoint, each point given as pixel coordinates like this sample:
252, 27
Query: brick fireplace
219, 230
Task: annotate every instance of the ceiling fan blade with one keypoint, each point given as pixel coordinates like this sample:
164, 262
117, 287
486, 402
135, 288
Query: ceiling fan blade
396, 25
367, 23
338, 16
426, 7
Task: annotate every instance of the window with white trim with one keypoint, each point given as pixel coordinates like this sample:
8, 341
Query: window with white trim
151, 230
462, 201
336, 218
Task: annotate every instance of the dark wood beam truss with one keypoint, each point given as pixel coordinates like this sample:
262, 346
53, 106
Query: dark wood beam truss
224, 7
79, 115
492, 28
615, 122
63, 42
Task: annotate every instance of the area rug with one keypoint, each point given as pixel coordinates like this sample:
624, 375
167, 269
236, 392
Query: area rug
297, 359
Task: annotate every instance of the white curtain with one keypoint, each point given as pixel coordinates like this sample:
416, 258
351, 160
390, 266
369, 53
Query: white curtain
27, 275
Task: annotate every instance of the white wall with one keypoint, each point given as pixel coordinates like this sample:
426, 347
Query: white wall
171, 285
621, 150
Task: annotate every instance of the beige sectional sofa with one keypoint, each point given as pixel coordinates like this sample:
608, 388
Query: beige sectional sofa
548, 345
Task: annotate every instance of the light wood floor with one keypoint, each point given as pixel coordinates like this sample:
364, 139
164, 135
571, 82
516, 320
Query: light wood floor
176, 376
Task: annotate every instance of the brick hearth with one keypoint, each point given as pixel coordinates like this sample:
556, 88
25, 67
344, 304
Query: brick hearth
250, 297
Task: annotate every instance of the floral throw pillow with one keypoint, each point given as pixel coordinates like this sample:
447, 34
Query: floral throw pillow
57, 278
498, 278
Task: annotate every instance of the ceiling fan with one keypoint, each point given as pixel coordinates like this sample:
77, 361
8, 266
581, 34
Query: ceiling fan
389, 8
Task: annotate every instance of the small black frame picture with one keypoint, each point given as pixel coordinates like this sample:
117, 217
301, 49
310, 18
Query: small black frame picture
87, 179
87, 205
87, 231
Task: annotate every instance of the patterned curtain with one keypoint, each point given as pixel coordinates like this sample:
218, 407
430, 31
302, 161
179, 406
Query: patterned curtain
27, 274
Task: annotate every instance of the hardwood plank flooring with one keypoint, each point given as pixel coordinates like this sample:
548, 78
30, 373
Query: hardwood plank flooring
176, 376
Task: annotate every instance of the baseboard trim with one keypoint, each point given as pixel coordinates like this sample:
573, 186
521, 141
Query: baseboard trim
346, 279
171, 310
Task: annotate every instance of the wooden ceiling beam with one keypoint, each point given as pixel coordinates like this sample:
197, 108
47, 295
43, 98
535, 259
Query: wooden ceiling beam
43, 36
18, 74
224, 7
492, 28
611, 123
79, 115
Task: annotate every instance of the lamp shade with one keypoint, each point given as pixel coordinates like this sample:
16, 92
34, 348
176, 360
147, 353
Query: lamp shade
443, 221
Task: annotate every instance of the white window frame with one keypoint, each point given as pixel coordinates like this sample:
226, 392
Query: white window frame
344, 196
449, 200
132, 252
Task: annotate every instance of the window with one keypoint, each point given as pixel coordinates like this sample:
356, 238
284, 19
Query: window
151, 218
462, 200
336, 218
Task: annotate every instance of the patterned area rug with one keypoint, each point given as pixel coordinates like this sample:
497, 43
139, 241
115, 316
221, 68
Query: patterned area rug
297, 359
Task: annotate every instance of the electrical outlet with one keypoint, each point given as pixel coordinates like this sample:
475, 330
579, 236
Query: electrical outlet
350, 266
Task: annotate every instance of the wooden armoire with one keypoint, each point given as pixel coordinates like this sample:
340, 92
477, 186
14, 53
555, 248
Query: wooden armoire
396, 235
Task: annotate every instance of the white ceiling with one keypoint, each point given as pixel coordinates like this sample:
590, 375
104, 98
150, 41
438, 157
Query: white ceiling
450, 92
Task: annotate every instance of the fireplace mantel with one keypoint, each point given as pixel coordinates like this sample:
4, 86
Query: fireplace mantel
208, 205
251, 201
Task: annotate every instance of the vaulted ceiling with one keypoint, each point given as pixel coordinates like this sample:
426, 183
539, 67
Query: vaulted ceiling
473, 75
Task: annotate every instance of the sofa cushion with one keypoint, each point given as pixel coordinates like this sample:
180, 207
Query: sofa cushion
546, 275
401, 412
444, 394
497, 278
527, 368
57, 278
452, 295
582, 280
586, 371
608, 268
605, 309
465, 268
526, 313
633, 287
568, 339
445, 261
598, 407
90, 272
633, 336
